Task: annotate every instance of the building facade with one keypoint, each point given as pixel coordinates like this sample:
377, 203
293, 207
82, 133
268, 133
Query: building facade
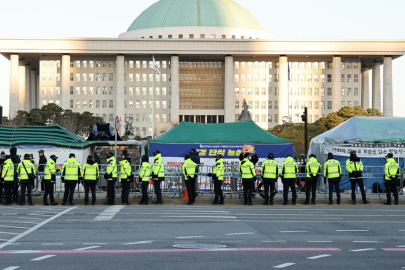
212, 56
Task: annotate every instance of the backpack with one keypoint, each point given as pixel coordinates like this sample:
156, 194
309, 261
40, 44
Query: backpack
377, 188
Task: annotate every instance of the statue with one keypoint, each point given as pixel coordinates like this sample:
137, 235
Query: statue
245, 115
129, 129
165, 127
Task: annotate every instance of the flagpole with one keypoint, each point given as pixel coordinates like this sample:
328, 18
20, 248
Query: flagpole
153, 101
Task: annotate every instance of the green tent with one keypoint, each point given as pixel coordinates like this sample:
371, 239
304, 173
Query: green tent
231, 133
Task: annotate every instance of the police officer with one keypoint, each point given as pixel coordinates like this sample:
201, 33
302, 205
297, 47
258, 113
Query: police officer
333, 171
25, 169
158, 175
41, 166
247, 170
112, 178
71, 172
354, 167
2, 160
189, 169
7, 175
126, 177
50, 179
288, 171
218, 178
313, 170
144, 177
392, 172
270, 175
90, 173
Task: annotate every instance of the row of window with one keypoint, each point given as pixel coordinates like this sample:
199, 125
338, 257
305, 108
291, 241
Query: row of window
105, 64
296, 78
103, 90
250, 91
103, 104
292, 105
294, 65
202, 36
142, 104
138, 118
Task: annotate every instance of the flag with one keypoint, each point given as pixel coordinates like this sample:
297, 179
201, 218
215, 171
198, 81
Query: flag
156, 68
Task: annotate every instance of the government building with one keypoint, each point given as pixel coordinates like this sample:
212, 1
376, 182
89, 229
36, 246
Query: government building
212, 55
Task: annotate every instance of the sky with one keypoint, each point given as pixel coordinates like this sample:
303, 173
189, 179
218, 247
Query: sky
293, 19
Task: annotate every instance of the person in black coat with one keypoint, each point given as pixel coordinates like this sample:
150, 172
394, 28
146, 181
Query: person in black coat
41, 166
2, 159
253, 157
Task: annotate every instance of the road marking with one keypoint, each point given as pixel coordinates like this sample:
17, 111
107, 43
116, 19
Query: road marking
9, 233
219, 217
25, 222
292, 231
25, 251
320, 241
185, 242
364, 249
401, 230
52, 244
283, 265
187, 237
140, 242
92, 244
394, 249
401, 246
318, 257
85, 248
109, 213
34, 228
29, 218
10, 214
279, 241
14, 227
365, 242
352, 230
42, 258
11, 268
240, 233
223, 249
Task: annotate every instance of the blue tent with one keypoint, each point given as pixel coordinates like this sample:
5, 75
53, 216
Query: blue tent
371, 137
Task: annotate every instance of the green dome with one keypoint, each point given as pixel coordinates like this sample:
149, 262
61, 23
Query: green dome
210, 13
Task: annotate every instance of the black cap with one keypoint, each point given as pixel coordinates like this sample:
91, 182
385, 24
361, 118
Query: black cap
127, 154
270, 156
246, 155
144, 158
89, 157
72, 155
111, 154
219, 156
27, 156
353, 152
53, 157
390, 155
312, 155
2, 154
156, 152
187, 156
330, 156
124, 152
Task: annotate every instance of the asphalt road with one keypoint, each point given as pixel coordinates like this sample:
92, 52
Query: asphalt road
234, 237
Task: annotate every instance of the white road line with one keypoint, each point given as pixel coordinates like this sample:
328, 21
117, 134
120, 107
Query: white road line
401, 230
14, 227
93, 244
140, 242
29, 218
10, 214
352, 230
11, 268
52, 244
401, 246
109, 213
364, 249
279, 241
25, 251
34, 228
240, 233
283, 265
320, 241
318, 257
185, 242
87, 248
292, 231
219, 217
187, 237
365, 242
26, 222
42, 258
9, 233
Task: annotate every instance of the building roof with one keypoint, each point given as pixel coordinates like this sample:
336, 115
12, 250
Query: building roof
231, 133
180, 13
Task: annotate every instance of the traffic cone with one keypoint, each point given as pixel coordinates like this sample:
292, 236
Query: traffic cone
151, 182
185, 196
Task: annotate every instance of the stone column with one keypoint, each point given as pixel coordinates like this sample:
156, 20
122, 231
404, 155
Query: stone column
365, 88
175, 87
21, 85
14, 87
376, 99
27, 87
229, 79
119, 95
388, 98
283, 86
33, 89
65, 84
336, 83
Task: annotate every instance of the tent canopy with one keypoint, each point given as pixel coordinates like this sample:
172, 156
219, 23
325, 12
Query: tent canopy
365, 129
240, 132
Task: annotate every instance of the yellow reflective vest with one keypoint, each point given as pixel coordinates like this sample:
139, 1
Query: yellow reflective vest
332, 169
289, 168
247, 169
125, 169
50, 171
144, 173
158, 167
71, 170
270, 169
90, 171
219, 169
189, 169
8, 171
313, 167
391, 169
29, 168
112, 167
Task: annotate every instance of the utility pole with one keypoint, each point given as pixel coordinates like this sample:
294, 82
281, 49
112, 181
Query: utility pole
304, 118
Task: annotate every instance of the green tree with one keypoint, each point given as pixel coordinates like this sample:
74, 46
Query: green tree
333, 120
321, 122
374, 112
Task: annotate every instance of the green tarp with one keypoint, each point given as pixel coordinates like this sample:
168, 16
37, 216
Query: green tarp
231, 133
42, 135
